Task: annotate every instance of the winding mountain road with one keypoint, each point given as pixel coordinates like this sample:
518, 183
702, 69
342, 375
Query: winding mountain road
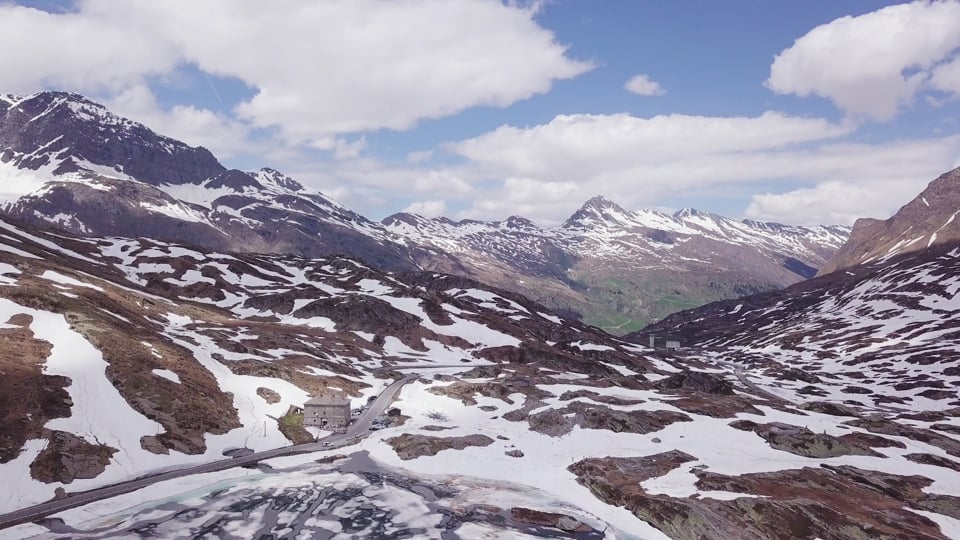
357, 430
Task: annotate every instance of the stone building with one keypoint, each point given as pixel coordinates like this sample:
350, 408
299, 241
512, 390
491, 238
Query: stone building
664, 343
328, 410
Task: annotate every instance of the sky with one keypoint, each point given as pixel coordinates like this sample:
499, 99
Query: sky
815, 112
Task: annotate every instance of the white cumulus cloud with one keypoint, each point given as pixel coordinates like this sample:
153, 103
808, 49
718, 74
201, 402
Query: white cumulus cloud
946, 77
642, 85
316, 68
222, 135
545, 172
583, 146
872, 65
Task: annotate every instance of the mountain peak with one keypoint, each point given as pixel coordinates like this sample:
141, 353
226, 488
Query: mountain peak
599, 202
268, 176
63, 128
596, 209
689, 212
518, 222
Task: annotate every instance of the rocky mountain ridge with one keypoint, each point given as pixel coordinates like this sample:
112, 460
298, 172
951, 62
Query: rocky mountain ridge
620, 269
928, 220
71, 163
68, 162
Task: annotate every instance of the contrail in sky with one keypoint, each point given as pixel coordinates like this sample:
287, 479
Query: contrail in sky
215, 93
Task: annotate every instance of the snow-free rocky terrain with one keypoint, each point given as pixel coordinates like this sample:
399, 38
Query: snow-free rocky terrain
68, 162
126, 356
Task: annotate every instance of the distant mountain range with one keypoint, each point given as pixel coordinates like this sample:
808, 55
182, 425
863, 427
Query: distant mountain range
69, 163
618, 269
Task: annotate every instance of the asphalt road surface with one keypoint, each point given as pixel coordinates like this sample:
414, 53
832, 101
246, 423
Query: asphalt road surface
357, 430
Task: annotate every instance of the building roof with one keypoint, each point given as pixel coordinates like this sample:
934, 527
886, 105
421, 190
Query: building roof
328, 399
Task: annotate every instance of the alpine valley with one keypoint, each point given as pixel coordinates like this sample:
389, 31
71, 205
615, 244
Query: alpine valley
69, 163
163, 321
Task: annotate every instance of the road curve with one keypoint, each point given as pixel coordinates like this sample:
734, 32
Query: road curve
358, 429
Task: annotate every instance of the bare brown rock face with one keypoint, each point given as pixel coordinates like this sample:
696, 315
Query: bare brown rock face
929, 219
886, 427
411, 446
697, 381
28, 397
268, 395
68, 457
803, 442
937, 461
839, 503
548, 519
559, 422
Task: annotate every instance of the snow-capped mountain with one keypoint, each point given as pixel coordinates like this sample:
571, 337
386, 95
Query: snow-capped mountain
620, 269
69, 162
124, 357
927, 220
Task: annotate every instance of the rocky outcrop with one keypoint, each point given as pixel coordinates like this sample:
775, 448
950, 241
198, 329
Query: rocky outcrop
560, 421
803, 442
936, 461
268, 395
412, 446
697, 381
886, 427
843, 503
500, 389
548, 519
68, 457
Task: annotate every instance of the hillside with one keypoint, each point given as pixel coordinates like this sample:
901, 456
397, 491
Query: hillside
927, 220
123, 357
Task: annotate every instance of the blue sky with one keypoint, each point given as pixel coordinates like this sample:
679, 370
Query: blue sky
799, 112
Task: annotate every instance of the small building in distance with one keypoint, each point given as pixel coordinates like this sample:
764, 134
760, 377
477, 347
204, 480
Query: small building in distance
329, 410
664, 343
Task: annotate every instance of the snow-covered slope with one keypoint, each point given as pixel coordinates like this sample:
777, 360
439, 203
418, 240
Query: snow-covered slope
123, 356
68, 162
623, 269
884, 335
177, 354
